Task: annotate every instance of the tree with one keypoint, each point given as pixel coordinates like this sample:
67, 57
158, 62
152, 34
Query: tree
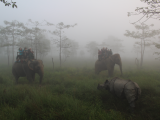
151, 11
69, 48
113, 43
32, 34
5, 43
136, 49
82, 53
9, 3
58, 32
157, 45
43, 46
92, 48
74, 47
143, 35
13, 30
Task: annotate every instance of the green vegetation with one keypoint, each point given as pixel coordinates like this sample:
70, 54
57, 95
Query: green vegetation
71, 94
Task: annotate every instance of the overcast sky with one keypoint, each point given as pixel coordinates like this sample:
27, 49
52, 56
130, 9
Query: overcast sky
96, 19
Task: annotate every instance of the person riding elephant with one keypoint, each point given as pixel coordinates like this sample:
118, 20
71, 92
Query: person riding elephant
19, 55
25, 53
110, 52
108, 64
30, 54
28, 69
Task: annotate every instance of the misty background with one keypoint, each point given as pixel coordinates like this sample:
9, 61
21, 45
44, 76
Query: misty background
98, 24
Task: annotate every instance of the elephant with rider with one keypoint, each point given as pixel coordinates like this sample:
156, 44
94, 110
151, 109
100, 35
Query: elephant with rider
108, 64
28, 69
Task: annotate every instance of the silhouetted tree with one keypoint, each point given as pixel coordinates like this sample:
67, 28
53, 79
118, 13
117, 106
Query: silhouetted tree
4, 42
157, 45
32, 33
113, 43
58, 32
151, 11
13, 30
43, 46
69, 48
92, 48
143, 35
82, 53
9, 3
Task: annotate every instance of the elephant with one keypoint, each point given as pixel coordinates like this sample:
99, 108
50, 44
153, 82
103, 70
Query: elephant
122, 89
108, 64
28, 69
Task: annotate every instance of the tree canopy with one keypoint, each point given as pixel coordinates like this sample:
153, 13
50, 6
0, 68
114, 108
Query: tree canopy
9, 3
151, 11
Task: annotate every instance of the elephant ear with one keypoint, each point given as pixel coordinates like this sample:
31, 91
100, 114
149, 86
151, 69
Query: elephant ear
41, 62
112, 58
116, 58
30, 65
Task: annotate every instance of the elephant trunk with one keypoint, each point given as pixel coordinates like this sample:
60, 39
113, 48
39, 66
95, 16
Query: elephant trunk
120, 67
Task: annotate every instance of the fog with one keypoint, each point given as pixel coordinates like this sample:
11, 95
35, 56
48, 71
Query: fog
96, 21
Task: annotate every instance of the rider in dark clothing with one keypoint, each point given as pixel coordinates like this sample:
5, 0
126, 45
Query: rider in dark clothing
25, 53
110, 52
30, 54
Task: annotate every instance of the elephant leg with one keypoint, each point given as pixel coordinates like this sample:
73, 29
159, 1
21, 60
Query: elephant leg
110, 72
132, 106
29, 78
33, 76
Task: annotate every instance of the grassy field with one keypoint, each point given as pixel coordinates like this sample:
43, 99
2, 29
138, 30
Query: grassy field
70, 93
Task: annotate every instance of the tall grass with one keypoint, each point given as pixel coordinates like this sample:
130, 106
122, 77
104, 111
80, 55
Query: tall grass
70, 93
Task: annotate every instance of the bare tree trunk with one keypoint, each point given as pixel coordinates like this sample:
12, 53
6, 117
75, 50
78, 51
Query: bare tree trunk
36, 41
8, 60
141, 54
53, 64
8, 54
60, 48
36, 50
36, 46
13, 49
142, 46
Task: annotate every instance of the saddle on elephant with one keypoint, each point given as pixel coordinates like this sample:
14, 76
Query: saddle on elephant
104, 53
22, 55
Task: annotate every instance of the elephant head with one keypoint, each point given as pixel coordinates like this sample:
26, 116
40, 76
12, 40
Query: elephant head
37, 67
